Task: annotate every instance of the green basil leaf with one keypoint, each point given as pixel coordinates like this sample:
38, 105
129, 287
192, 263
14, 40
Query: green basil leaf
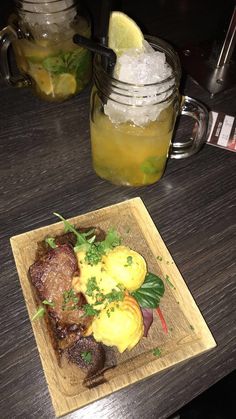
150, 293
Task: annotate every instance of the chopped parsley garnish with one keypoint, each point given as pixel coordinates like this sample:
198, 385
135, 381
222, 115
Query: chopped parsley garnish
156, 352
191, 327
89, 310
114, 295
105, 299
129, 261
70, 300
168, 281
93, 256
51, 242
159, 258
92, 286
97, 250
86, 356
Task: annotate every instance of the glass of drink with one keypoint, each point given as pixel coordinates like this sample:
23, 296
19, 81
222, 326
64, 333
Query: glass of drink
41, 33
132, 123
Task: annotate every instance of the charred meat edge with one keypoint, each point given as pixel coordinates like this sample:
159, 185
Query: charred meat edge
67, 336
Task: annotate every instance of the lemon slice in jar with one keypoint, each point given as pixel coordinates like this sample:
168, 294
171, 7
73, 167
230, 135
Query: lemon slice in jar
123, 33
43, 80
65, 85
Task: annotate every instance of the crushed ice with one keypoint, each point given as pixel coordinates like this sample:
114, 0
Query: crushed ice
49, 12
142, 104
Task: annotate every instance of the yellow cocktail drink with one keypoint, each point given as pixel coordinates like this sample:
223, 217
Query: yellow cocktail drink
129, 154
58, 68
133, 106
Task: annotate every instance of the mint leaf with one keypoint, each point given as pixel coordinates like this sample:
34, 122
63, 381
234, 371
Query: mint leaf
54, 64
152, 165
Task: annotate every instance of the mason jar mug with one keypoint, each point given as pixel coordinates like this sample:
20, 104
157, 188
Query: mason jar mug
41, 34
132, 125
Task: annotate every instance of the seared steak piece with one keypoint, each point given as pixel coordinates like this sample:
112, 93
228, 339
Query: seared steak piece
92, 356
52, 273
44, 247
87, 354
51, 276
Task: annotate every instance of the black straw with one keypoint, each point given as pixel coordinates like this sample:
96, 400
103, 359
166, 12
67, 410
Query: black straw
103, 24
106, 52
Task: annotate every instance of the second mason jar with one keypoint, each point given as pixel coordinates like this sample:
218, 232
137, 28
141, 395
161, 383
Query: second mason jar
41, 33
132, 125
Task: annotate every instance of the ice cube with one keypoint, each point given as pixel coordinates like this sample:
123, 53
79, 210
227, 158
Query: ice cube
145, 69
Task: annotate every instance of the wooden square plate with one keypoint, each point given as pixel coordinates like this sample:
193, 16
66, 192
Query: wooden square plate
188, 334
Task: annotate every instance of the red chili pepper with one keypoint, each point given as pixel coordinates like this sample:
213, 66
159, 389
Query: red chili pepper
163, 322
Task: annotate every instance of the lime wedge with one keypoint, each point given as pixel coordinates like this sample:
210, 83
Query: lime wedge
66, 85
123, 33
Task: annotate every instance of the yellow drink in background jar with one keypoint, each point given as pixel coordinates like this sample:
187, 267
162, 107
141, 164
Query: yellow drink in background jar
58, 68
131, 155
41, 34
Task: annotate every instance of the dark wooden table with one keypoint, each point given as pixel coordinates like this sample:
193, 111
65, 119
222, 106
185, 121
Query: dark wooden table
45, 167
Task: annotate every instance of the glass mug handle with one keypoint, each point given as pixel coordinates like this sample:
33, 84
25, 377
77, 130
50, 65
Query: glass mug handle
196, 110
7, 36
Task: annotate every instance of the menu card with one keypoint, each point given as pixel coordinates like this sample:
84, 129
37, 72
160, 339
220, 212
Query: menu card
222, 131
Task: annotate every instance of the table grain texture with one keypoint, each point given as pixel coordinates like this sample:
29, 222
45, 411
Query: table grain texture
46, 166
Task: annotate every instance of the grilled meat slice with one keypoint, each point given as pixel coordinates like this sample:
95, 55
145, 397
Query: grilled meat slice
95, 354
51, 276
93, 357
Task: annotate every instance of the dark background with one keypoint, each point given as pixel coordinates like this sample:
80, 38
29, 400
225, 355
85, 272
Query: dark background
203, 19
